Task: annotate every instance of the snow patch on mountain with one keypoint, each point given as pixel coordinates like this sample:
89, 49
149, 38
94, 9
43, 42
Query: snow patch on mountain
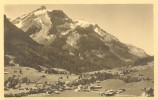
72, 39
65, 33
98, 31
81, 57
50, 36
136, 51
100, 55
43, 33
109, 38
83, 23
39, 12
72, 26
71, 53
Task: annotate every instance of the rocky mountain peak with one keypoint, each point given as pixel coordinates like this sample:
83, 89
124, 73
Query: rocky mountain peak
41, 8
54, 27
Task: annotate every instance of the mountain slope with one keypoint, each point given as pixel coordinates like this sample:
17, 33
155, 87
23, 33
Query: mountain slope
20, 45
27, 52
49, 26
81, 40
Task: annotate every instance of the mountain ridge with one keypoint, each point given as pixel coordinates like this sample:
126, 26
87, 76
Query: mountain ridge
59, 27
82, 40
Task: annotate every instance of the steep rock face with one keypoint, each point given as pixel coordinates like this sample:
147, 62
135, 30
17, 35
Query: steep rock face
80, 38
42, 25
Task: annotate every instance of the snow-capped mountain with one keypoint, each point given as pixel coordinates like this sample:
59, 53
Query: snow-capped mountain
42, 25
21, 49
80, 38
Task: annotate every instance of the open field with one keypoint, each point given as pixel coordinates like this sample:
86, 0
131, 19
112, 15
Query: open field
36, 76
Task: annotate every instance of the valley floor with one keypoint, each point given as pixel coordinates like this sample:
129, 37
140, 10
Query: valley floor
132, 88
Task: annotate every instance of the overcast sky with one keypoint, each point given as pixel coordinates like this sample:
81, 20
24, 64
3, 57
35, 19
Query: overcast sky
130, 23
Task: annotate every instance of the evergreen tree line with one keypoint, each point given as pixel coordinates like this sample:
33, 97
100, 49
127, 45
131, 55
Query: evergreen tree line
143, 61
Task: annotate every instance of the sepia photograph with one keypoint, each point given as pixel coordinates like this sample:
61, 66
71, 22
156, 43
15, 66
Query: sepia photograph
78, 50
